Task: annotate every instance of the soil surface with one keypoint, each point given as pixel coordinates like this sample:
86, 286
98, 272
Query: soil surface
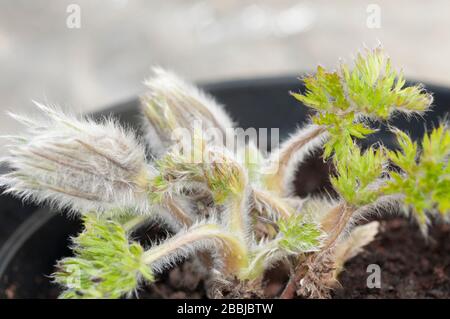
411, 267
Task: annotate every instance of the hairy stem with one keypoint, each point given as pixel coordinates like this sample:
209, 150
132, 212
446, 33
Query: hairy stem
273, 202
234, 252
275, 181
133, 223
177, 212
260, 258
237, 223
345, 212
291, 287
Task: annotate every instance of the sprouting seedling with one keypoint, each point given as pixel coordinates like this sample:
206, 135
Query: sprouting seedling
246, 220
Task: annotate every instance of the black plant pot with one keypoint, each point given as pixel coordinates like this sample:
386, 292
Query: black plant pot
27, 257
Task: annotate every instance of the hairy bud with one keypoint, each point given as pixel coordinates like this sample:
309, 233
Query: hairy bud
77, 164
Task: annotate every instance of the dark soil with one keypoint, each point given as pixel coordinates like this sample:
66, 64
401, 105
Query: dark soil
411, 267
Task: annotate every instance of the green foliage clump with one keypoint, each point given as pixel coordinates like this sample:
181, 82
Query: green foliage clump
372, 89
299, 235
342, 130
106, 264
424, 179
356, 174
376, 90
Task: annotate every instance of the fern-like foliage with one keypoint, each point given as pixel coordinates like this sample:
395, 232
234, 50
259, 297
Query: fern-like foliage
357, 173
106, 263
371, 89
424, 179
298, 235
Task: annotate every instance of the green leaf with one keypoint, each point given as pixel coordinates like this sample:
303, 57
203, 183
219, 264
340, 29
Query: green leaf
376, 90
357, 173
371, 89
299, 235
325, 91
424, 181
105, 265
342, 130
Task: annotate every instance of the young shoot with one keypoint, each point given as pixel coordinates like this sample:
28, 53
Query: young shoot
371, 89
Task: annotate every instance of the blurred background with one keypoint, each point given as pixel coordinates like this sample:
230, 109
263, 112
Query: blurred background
88, 54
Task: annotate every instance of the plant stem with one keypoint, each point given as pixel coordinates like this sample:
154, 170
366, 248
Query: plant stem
275, 181
235, 254
134, 222
346, 212
258, 261
237, 222
177, 212
274, 202
291, 287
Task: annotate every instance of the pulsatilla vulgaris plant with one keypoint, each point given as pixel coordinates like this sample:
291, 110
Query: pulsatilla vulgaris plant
231, 216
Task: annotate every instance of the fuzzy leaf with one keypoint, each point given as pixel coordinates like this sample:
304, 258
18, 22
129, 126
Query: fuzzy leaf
299, 235
106, 264
356, 173
217, 170
341, 131
177, 169
225, 177
377, 90
325, 91
425, 182
371, 89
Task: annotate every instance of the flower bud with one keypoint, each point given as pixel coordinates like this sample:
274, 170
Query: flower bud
77, 164
172, 104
